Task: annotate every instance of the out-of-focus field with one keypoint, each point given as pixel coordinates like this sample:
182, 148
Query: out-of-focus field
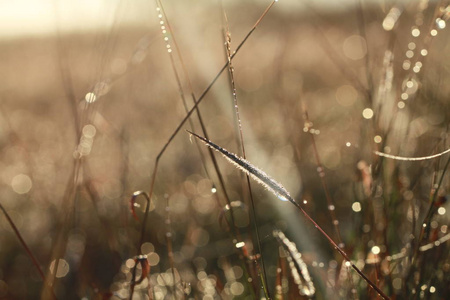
69, 163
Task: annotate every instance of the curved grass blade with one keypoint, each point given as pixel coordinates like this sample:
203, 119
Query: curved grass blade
298, 268
411, 158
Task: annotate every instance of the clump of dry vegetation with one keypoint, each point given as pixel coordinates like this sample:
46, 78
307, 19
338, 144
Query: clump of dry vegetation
108, 191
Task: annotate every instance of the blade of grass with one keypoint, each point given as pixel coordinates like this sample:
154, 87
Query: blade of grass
24, 244
262, 273
280, 191
199, 100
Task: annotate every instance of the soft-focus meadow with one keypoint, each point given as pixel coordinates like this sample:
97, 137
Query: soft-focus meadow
90, 116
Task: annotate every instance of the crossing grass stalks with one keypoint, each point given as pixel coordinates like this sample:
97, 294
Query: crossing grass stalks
346, 105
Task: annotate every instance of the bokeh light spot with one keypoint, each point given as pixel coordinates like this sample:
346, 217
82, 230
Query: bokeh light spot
21, 184
367, 113
63, 268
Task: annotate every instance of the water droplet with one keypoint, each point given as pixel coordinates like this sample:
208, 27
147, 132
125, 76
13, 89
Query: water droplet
409, 54
90, 98
21, 184
406, 65
433, 32
356, 206
89, 131
375, 250
367, 113
440, 23
355, 47
424, 52
282, 198
391, 18
63, 268
377, 139
240, 245
415, 32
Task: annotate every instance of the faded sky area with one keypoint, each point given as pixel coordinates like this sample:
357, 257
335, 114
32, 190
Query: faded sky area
24, 18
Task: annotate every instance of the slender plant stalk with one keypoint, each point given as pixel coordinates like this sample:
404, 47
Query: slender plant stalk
170, 38
330, 202
24, 244
199, 100
262, 273
170, 245
160, 8
141, 239
427, 220
281, 192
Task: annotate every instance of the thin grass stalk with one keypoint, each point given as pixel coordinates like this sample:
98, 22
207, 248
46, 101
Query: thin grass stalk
232, 228
170, 246
67, 215
71, 188
427, 220
24, 244
330, 202
162, 15
199, 100
335, 58
262, 273
199, 116
362, 31
141, 239
276, 188
69, 194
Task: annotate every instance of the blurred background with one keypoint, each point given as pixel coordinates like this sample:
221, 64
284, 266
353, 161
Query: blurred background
89, 97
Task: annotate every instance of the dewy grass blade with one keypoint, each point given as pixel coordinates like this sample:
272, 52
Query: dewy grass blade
273, 186
411, 158
260, 176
